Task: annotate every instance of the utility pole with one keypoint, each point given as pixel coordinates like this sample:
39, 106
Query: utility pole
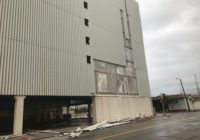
184, 93
198, 91
162, 95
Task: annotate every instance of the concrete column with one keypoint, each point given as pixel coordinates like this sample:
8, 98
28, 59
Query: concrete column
18, 115
94, 113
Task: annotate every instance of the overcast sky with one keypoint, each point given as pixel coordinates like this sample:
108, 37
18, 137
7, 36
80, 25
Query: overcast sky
171, 30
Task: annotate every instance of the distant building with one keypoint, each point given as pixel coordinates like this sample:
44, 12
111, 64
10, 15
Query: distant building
176, 102
57, 53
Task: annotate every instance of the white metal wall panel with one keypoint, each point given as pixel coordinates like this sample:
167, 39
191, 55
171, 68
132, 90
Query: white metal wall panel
138, 48
42, 48
106, 30
108, 46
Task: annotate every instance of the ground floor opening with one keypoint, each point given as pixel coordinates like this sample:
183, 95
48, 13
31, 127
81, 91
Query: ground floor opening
42, 112
19, 114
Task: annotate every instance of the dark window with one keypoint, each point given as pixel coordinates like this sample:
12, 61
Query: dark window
88, 59
87, 40
86, 22
85, 5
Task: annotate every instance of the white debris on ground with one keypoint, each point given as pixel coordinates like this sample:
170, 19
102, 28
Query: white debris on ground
95, 126
104, 124
9, 137
76, 133
65, 134
50, 131
5, 137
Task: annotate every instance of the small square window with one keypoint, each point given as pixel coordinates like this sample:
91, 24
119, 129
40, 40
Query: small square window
86, 22
88, 59
85, 5
87, 40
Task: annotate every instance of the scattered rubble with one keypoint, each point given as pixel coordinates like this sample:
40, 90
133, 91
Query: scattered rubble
104, 124
10, 136
76, 133
50, 131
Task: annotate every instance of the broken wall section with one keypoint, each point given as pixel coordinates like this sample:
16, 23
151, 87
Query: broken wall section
115, 79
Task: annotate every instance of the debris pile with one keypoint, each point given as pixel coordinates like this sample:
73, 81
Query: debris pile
79, 131
104, 124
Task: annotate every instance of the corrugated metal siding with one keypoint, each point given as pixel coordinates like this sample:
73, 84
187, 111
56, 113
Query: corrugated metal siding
42, 48
138, 48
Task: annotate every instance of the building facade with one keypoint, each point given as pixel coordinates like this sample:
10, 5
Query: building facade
177, 102
74, 48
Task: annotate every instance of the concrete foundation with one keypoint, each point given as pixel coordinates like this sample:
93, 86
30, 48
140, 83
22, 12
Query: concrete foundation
120, 107
18, 115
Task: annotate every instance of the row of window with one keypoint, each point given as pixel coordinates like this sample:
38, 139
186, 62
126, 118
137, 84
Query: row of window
86, 21
87, 38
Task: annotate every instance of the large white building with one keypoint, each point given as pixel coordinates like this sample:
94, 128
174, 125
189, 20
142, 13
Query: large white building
76, 49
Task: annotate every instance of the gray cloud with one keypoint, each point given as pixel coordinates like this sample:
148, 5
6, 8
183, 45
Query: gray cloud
172, 43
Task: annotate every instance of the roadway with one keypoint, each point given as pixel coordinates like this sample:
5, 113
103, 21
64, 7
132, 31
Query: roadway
179, 126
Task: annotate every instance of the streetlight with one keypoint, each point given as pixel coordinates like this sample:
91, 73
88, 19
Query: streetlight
184, 93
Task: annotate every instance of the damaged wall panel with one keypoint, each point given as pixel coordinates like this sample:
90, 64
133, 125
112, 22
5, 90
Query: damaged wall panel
112, 83
100, 66
132, 85
120, 70
129, 54
111, 68
122, 85
115, 79
130, 70
101, 82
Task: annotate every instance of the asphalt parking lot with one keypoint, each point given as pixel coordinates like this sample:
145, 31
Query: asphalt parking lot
176, 126
179, 126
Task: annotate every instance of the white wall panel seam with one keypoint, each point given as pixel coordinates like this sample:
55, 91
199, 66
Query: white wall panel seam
2, 2
1, 14
5, 50
10, 70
